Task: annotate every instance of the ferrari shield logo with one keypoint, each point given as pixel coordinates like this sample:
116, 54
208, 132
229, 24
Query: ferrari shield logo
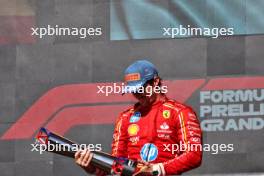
166, 114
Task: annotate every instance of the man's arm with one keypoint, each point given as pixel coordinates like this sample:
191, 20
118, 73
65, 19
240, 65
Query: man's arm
120, 137
189, 132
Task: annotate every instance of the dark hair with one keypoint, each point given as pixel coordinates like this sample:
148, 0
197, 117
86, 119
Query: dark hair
151, 82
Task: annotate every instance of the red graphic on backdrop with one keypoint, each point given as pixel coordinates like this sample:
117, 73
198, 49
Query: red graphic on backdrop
17, 18
17, 29
235, 83
67, 106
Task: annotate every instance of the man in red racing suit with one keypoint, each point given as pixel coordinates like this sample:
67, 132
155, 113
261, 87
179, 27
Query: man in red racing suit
164, 133
167, 125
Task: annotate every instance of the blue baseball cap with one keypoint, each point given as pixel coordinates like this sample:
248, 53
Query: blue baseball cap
137, 74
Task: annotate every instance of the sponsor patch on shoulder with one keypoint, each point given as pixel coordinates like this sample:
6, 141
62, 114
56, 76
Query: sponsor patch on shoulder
135, 117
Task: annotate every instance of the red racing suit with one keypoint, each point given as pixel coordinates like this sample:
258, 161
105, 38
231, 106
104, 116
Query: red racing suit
157, 135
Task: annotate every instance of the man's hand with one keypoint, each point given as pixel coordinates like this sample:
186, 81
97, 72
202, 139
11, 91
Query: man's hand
150, 169
83, 158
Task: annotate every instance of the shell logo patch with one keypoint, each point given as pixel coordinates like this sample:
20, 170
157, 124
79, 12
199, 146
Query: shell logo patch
166, 114
133, 129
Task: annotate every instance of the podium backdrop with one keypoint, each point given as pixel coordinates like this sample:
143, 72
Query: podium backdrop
53, 81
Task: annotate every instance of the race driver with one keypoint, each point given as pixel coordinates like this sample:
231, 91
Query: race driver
157, 131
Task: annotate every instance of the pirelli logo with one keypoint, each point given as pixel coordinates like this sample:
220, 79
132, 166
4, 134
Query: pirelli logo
132, 77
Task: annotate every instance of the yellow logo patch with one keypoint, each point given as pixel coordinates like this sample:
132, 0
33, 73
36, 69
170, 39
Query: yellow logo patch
133, 129
166, 114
